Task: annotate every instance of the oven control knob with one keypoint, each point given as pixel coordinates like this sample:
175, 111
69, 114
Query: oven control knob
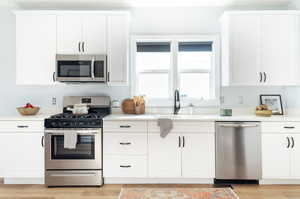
53, 124
65, 124
80, 123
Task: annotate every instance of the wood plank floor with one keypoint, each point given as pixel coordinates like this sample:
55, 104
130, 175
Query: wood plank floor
112, 191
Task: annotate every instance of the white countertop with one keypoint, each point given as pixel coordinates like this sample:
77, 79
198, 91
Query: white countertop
147, 117
151, 117
19, 117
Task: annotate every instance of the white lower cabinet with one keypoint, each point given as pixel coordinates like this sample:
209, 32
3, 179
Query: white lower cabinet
295, 157
21, 155
198, 155
119, 166
164, 156
275, 156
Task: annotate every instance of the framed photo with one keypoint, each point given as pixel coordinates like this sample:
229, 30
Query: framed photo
273, 102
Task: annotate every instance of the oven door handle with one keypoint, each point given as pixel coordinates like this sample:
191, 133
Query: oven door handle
61, 132
93, 68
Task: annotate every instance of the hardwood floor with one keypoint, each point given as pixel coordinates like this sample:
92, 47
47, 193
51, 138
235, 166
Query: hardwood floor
112, 191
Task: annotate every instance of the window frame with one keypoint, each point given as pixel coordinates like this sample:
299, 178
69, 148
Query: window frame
174, 73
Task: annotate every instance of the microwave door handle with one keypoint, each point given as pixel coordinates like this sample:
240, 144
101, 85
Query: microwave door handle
92, 68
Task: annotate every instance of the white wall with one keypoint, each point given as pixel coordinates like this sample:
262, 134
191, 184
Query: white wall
189, 20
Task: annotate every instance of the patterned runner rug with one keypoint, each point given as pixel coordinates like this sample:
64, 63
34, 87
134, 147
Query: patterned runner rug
177, 193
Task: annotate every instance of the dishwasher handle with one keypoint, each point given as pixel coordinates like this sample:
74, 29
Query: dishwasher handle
239, 125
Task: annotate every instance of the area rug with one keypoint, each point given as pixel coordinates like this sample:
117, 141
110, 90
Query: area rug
177, 193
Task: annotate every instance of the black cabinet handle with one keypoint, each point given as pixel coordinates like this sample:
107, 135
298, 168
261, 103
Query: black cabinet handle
108, 76
125, 166
125, 126
82, 46
289, 142
265, 75
53, 76
183, 144
293, 142
21, 126
179, 141
260, 77
79, 44
125, 143
289, 127
42, 141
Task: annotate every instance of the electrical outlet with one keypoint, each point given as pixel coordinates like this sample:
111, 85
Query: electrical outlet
222, 99
240, 99
53, 101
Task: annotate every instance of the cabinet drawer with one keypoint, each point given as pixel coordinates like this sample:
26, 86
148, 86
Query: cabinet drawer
125, 166
280, 127
182, 127
15, 126
125, 143
127, 126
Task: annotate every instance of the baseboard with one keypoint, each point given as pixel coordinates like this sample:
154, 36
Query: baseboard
23, 181
279, 181
157, 181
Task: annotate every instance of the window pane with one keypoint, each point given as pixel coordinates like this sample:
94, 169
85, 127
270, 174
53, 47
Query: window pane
195, 55
195, 85
152, 60
194, 60
154, 85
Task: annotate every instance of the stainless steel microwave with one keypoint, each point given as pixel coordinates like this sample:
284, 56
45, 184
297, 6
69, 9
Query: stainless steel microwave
80, 68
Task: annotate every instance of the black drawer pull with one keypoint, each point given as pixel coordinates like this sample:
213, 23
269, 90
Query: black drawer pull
289, 127
20, 126
125, 126
125, 166
125, 143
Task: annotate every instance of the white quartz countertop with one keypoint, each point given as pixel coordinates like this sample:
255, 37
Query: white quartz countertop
19, 117
147, 117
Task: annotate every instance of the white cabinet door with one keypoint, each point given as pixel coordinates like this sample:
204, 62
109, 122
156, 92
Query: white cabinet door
295, 156
94, 34
35, 49
164, 156
21, 155
118, 34
243, 49
275, 156
279, 49
198, 155
69, 34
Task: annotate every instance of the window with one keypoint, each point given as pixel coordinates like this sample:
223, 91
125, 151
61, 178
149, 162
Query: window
153, 63
163, 64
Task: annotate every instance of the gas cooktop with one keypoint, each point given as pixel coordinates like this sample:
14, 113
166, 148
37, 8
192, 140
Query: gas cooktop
99, 107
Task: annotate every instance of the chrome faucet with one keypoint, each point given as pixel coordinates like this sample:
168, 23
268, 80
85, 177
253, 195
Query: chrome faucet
176, 102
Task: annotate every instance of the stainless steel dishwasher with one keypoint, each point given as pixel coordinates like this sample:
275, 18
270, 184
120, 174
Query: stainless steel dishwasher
238, 151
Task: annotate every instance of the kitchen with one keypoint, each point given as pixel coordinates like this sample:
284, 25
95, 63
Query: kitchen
179, 25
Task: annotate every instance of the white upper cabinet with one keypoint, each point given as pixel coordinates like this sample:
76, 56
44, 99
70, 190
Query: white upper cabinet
69, 34
94, 34
35, 48
118, 35
260, 48
279, 42
40, 35
241, 49
81, 34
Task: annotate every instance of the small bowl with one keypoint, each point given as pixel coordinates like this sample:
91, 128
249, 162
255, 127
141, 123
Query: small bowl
28, 111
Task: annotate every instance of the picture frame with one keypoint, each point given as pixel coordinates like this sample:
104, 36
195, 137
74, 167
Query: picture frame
273, 102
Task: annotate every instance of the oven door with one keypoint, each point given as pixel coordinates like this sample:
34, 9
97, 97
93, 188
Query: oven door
86, 155
81, 68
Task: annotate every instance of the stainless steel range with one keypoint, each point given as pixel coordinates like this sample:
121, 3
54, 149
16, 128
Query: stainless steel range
73, 144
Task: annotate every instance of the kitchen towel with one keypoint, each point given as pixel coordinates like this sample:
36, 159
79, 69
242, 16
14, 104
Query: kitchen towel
166, 125
70, 140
